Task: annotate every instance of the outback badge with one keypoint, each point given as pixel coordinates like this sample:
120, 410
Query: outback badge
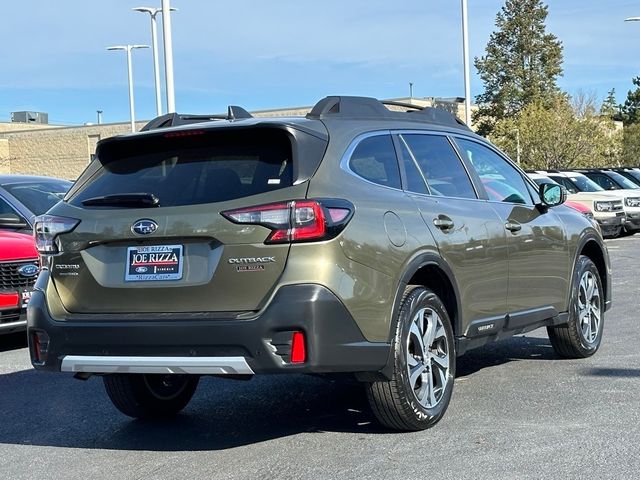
144, 227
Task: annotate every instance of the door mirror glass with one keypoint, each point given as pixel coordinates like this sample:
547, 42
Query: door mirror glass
552, 194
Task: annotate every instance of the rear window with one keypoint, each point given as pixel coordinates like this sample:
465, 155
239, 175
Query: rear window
203, 167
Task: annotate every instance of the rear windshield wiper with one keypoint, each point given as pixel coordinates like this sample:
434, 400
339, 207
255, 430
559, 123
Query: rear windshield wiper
133, 200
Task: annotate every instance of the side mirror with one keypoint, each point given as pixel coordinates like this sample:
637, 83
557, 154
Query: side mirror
552, 194
11, 220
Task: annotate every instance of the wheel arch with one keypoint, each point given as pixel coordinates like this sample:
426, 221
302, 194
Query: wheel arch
595, 251
430, 271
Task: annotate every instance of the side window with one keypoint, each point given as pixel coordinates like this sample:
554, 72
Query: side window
5, 208
440, 165
502, 182
604, 181
565, 183
415, 182
374, 159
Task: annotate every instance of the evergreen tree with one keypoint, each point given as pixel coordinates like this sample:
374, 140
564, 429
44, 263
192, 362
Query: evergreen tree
630, 111
521, 65
610, 107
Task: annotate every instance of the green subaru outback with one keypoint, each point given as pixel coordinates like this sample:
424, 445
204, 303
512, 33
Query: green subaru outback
379, 241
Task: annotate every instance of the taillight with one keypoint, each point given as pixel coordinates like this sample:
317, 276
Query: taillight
297, 220
47, 227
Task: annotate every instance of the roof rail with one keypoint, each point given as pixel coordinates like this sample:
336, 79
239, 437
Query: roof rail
172, 119
367, 107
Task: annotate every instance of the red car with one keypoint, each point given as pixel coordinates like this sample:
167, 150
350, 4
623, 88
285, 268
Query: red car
19, 267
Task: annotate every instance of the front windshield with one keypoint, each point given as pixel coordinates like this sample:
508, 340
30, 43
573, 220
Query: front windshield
621, 180
635, 174
585, 184
39, 195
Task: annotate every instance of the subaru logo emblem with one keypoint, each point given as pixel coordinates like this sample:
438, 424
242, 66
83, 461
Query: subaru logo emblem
28, 270
144, 227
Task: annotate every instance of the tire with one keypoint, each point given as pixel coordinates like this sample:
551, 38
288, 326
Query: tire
150, 396
418, 401
581, 336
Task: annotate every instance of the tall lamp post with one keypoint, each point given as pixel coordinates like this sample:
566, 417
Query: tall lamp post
154, 46
168, 56
465, 54
128, 49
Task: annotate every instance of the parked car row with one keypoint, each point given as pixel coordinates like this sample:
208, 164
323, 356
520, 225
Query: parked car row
22, 197
612, 195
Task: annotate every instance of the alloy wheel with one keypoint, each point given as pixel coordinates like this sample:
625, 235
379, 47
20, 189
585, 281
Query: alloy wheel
428, 357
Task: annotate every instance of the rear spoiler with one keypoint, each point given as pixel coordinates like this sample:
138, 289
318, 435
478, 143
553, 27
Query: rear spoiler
173, 119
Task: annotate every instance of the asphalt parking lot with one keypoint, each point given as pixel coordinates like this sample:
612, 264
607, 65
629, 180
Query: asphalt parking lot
517, 412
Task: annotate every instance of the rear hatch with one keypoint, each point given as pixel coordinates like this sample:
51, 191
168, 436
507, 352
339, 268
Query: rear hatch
151, 235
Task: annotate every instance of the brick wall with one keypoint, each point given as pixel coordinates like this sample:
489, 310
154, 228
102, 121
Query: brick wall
62, 152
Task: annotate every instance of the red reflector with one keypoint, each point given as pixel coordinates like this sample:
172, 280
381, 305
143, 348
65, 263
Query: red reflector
37, 352
298, 351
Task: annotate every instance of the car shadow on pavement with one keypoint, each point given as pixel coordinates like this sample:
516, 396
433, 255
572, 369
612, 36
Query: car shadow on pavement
613, 372
498, 353
56, 410
13, 341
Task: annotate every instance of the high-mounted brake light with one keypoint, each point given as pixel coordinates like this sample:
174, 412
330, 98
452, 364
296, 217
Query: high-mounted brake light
183, 133
297, 220
45, 230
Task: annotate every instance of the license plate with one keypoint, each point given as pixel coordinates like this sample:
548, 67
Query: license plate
154, 263
25, 296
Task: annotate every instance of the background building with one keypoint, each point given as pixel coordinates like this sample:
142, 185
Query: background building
64, 152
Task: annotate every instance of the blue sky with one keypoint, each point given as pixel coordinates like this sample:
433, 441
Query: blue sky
279, 53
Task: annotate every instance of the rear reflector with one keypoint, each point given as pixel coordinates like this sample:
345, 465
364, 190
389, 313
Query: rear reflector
298, 351
40, 346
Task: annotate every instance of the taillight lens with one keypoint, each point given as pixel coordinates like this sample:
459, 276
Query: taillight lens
47, 227
297, 220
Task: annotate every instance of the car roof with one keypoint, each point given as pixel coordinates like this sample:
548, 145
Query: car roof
19, 178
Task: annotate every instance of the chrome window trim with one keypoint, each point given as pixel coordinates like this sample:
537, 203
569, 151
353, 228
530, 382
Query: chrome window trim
346, 157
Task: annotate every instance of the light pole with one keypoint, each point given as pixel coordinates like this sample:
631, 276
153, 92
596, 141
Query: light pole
168, 56
465, 54
128, 49
99, 112
154, 46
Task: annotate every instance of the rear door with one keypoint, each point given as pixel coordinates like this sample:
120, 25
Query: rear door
468, 232
181, 254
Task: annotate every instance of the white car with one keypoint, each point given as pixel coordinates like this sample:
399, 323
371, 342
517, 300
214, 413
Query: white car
607, 207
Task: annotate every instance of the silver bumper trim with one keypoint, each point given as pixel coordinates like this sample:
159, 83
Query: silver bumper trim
13, 325
162, 365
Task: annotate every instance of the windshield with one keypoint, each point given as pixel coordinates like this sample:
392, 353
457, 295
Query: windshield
39, 195
585, 184
633, 173
623, 181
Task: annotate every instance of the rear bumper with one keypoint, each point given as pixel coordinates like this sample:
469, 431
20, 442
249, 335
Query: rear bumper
179, 343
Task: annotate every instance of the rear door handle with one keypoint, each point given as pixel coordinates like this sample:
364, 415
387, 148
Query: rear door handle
443, 222
513, 226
